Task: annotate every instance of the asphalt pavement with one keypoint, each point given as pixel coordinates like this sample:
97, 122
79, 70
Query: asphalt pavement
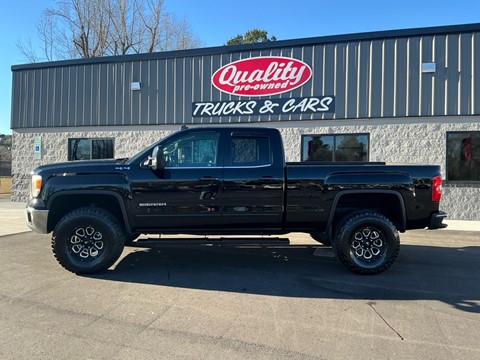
272, 302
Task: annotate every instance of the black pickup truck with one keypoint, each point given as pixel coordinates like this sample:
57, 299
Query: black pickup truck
230, 180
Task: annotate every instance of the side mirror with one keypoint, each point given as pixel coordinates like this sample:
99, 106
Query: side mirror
156, 161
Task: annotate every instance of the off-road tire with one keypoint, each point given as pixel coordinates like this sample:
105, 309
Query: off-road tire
367, 243
88, 240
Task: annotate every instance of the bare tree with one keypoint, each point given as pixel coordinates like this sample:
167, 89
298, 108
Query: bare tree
27, 50
125, 32
94, 28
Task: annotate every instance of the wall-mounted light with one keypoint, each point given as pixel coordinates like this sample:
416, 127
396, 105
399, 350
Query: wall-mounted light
135, 86
429, 68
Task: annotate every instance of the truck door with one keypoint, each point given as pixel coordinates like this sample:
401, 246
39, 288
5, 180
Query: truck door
186, 194
253, 184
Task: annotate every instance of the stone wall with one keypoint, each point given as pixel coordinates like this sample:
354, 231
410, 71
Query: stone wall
55, 149
398, 141
403, 141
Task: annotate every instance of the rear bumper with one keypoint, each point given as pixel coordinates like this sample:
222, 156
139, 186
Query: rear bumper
37, 220
436, 221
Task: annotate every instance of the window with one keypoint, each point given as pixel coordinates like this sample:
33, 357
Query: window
86, 149
463, 156
192, 150
250, 151
349, 147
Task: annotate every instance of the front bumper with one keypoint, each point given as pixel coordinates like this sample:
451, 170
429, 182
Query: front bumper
37, 220
436, 221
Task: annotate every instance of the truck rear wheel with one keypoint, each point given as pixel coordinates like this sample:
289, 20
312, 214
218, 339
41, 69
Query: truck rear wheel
367, 243
88, 240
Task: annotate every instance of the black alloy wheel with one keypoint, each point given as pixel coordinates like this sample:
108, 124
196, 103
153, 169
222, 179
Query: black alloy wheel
88, 240
367, 243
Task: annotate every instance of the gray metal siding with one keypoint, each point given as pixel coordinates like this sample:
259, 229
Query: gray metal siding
376, 78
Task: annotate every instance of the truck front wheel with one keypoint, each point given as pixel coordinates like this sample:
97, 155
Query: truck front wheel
367, 243
88, 240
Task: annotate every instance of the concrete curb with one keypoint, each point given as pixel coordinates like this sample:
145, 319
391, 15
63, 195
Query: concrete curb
462, 225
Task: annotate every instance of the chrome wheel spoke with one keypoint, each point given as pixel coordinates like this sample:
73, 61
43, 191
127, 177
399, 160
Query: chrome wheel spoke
84, 253
86, 243
378, 243
366, 233
75, 239
80, 232
367, 244
89, 230
356, 244
359, 252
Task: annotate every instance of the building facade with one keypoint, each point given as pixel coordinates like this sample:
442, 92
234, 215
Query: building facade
403, 96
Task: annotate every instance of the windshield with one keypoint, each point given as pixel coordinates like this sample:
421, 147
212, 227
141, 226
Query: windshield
144, 153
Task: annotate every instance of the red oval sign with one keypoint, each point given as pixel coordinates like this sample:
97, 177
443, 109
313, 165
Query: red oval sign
261, 76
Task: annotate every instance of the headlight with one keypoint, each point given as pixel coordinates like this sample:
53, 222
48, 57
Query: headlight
36, 185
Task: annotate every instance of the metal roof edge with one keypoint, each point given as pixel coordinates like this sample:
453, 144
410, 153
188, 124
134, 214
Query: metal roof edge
227, 49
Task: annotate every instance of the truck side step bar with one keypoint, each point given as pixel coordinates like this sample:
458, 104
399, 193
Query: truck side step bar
216, 241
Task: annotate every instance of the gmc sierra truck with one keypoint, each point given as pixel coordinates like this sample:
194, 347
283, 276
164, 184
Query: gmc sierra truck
232, 181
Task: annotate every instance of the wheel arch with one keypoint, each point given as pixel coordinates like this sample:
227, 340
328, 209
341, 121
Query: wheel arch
64, 202
349, 201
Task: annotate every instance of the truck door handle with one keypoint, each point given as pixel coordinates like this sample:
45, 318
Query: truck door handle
209, 178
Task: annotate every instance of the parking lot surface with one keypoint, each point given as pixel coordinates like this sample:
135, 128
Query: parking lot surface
241, 303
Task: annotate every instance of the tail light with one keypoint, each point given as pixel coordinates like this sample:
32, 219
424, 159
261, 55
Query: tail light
436, 188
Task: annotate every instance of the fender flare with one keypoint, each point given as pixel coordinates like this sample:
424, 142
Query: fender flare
113, 194
336, 200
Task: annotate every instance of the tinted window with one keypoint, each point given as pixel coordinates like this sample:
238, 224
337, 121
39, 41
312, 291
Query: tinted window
192, 150
87, 149
250, 151
349, 147
463, 156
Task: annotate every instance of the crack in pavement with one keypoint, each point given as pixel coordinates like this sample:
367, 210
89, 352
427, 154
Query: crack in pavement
371, 303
